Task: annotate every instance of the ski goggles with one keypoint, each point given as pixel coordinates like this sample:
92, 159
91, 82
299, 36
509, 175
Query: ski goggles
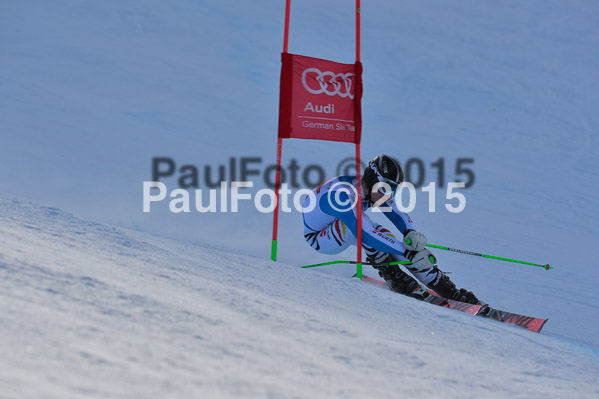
387, 187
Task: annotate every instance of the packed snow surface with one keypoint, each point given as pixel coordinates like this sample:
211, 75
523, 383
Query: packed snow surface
91, 310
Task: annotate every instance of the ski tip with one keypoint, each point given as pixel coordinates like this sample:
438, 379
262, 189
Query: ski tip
535, 326
542, 325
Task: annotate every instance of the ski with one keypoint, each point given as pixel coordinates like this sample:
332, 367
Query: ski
432, 297
530, 323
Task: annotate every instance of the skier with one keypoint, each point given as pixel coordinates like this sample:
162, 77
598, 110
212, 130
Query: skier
330, 226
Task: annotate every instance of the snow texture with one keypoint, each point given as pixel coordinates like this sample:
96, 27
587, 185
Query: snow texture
90, 310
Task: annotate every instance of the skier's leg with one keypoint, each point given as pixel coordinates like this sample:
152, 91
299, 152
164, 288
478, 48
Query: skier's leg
443, 286
440, 282
398, 280
331, 240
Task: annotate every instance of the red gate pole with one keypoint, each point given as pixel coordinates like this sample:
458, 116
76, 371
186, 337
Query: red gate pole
287, 12
273, 248
358, 166
359, 205
358, 11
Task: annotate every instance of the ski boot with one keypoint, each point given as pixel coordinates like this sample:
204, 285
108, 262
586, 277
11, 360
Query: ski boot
443, 286
398, 280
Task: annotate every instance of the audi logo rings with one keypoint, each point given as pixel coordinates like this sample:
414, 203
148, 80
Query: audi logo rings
342, 88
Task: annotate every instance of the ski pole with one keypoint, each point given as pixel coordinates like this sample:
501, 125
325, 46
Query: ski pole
461, 251
353, 262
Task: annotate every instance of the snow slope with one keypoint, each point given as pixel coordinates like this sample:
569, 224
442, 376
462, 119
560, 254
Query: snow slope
91, 310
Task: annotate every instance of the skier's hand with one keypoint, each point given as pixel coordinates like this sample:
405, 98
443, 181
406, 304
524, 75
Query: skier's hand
421, 260
414, 241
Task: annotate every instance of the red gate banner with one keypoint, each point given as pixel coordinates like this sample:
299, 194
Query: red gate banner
320, 99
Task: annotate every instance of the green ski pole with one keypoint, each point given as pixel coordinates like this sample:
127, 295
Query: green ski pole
353, 262
461, 251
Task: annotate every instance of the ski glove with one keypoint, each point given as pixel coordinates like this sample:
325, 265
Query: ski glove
414, 241
421, 260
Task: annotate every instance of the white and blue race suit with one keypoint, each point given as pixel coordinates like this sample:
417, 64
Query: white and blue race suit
330, 223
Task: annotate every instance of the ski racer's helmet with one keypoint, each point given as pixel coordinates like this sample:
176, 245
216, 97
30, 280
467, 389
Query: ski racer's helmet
383, 169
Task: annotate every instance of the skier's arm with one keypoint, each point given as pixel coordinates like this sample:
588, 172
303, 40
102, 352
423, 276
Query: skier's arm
413, 240
400, 219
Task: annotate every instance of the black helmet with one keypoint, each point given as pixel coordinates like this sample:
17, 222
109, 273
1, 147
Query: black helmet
383, 168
